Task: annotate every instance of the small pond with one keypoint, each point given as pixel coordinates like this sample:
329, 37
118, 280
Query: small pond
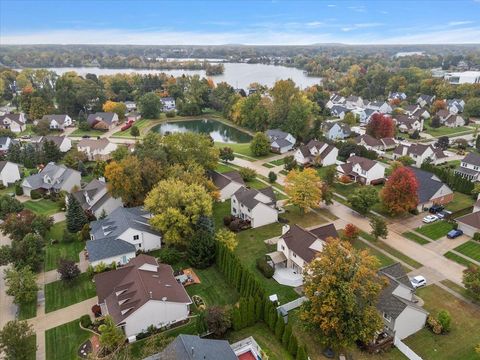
219, 131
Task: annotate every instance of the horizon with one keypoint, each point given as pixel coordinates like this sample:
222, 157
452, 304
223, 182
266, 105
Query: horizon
255, 23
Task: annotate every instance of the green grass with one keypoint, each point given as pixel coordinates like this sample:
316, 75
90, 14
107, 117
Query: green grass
278, 162
446, 131
460, 201
265, 339
62, 342
436, 230
458, 259
7, 190
455, 287
60, 294
213, 288
27, 311
256, 184
414, 237
42, 207
60, 250
344, 189
464, 335
295, 216
242, 149
141, 124
220, 210
92, 133
222, 168
268, 166
384, 260
470, 249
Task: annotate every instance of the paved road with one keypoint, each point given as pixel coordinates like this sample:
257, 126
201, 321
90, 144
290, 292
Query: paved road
7, 308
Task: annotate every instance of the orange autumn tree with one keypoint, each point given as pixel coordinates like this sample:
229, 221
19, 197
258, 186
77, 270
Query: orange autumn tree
400, 192
117, 107
381, 126
351, 233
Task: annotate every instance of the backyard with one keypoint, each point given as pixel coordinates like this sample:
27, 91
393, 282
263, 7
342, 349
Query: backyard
436, 230
60, 250
60, 294
62, 342
460, 201
42, 207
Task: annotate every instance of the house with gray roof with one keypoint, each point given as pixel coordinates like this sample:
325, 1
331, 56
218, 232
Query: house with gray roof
335, 130
398, 305
280, 141
117, 238
227, 183
102, 120
52, 178
141, 294
58, 122
469, 167
455, 106
63, 143
95, 199
256, 206
5, 143
362, 170
339, 111
420, 153
13, 122
425, 100
316, 152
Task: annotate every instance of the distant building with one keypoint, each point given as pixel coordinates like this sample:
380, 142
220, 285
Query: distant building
58, 122
316, 152
334, 130
168, 103
465, 77
63, 143
280, 141
102, 120
13, 122
97, 149
362, 170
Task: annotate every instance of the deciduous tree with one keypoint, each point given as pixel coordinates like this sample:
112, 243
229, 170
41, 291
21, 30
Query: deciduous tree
118, 108
381, 126
342, 308
68, 270
17, 341
304, 188
9, 205
351, 233
228, 238
125, 180
111, 336
471, 281
399, 194
134, 131
226, 154
260, 145
21, 284
379, 228
363, 199
150, 106
218, 320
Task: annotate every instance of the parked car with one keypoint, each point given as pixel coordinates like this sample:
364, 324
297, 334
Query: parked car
435, 209
444, 214
430, 219
418, 281
127, 125
452, 234
86, 136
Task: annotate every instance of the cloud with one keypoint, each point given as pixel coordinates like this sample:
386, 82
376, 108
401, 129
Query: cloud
315, 24
361, 26
358, 8
331, 5
457, 23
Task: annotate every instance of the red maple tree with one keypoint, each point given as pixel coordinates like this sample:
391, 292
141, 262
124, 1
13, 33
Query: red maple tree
399, 194
381, 126
351, 233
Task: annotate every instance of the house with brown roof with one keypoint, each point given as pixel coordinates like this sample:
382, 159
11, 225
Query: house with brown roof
408, 124
227, 183
97, 149
370, 143
296, 248
63, 143
256, 206
140, 294
450, 119
102, 120
316, 152
58, 122
362, 170
420, 153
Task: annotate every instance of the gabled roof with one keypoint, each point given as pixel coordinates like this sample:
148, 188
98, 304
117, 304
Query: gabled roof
128, 288
94, 144
3, 163
192, 347
248, 197
92, 188
369, 140
472, 158
443, 113
472, 219
221, 180
107, 248
338, 109
12, 117
53, 171
427, 98
365, 164
106, 117
428, 184
60, 119
4, 140
388, 141
299, 239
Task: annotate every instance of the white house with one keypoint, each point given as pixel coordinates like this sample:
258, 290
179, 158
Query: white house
5, 143
397, 96
168, 103
398, 305
352, 102
141, 294
9, 172
95, 199
362, 170
63, 143
335, 130
280, 141
470, 167
381, 106
420, 153
116, 238
58, 122
52, 178
450, 119
97, 149
227, 183
316, 152
335, 99
455, 106
13, 122
339, 111
464, 77
426, 100
408, 124
256, 206
130, 105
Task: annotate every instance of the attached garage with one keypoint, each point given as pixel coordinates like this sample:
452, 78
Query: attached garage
469, 224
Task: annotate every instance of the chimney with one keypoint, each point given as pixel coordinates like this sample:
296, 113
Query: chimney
285, 228
193, 351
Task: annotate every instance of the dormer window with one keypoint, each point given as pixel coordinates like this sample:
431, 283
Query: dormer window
136, 237
387, 317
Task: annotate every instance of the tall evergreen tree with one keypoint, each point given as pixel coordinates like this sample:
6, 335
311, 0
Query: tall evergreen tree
75, 216
51, 151
15, 153
201, 250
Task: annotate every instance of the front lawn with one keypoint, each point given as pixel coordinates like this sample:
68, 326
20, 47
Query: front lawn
242, 149
458, 259
414, 237
436, 230
345, 189
62, 342
42, 206
460, 201
60, 294
213, 288
60, 249
470, 249
222, 168
277, 162
265, 339
447, 131
464, 335
268, 165
295, 216
140, 124
92, 133
27, 311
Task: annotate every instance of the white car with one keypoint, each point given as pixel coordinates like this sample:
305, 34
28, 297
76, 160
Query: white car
418, 281
430, 219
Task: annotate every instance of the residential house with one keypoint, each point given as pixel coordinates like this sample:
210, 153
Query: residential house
58, 122
360, 114
316, 152
470, 223
133, 116
368, 115
336, 130
408, 124
426, 100
449, 119
63, 143
102, 120
130, 105
352, 102
431, 190
455, 106
280, 141
339, 111
168, 103
362, 170
228, 183
469, 167
141, 294
5, 143
9, 173
420, 153
117, 238
97, 149
95, 199
52, 178
370, 143
335, 99
397, 96
256, 206
13, 122
380, 106
398, 305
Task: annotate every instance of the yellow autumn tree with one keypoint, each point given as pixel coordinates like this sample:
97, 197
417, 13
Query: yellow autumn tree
117, 107
342, 308
125, 180
304, 188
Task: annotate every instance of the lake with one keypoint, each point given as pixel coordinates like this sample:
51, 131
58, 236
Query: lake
238, 75
219, 131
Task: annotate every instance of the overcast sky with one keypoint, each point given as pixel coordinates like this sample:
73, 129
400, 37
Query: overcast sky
239, 22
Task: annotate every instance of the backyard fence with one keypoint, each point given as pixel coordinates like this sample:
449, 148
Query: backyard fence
405, 350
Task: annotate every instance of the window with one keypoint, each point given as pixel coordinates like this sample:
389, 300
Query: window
136, 237
294, 255
387, 317
139, 245
475, 168
283, 247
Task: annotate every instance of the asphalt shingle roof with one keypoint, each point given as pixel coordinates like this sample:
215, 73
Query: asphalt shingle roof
108, 247
428, 184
